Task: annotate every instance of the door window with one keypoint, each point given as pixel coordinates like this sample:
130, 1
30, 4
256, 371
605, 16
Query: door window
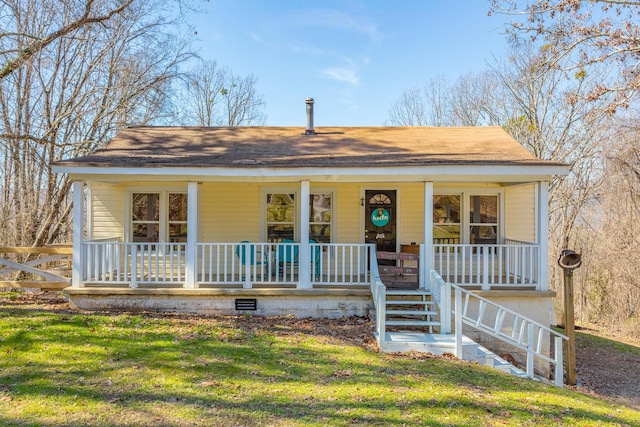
177, 217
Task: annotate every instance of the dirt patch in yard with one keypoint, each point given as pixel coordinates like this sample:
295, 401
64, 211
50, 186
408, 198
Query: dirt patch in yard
605, 367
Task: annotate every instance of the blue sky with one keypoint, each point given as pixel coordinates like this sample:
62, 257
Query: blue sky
355, 58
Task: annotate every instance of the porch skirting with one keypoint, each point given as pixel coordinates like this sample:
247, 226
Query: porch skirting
302, 303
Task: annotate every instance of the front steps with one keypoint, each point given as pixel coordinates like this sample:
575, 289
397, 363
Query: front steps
408, 310
411, 322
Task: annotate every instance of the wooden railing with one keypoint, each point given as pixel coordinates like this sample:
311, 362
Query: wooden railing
45, 268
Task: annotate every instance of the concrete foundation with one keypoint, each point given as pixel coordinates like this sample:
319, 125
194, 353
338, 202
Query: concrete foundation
302, 303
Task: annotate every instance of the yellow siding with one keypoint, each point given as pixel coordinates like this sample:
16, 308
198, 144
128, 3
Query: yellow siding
520, 212
411, 211
347, 221
108, 211
230, 212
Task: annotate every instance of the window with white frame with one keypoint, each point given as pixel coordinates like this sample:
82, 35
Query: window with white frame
446, 219
281, 216
320, 216
483, 220
465, 218
158, 216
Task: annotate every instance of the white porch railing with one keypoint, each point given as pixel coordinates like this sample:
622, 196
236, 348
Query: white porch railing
249, 263
510, 264
340, 263
497, 321
111, 262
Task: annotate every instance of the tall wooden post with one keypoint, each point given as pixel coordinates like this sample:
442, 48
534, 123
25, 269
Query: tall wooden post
569, 325
569, 261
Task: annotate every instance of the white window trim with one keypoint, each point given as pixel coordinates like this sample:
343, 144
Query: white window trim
163, 229
465, 208
296, 192
263, 209
332, 191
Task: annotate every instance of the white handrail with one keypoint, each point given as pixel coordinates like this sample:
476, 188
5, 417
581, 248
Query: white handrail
378, 291
499, 322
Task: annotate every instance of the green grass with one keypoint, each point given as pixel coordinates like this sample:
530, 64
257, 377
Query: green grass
61, 368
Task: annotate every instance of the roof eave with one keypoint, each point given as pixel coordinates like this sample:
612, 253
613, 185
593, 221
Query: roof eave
490, 172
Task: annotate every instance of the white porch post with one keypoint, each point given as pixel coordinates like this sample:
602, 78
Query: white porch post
191, 254
427, 254
543, 235
77, 260
304, 256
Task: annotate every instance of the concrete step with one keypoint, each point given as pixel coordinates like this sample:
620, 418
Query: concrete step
403, 341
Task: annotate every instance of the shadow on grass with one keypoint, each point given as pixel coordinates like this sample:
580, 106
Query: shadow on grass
144, 368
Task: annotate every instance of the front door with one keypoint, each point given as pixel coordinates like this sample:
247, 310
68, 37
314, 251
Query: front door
380, 219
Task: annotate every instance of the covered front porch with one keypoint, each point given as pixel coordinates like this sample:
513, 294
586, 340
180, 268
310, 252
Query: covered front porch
242, 260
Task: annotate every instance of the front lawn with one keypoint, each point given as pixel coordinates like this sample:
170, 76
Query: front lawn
64, 368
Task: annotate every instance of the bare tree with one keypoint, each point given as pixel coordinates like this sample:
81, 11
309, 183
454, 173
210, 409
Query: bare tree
608, 288
203, 99
69, 97
27, 44
466, 102
216, 97
581, 33
427, 106
546, 109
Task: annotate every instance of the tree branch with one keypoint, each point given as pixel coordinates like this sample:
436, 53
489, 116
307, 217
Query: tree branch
37, 45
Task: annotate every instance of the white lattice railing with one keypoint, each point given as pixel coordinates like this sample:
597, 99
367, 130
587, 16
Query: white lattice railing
510, 264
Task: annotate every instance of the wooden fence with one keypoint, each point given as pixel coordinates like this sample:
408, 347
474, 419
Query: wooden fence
45, 268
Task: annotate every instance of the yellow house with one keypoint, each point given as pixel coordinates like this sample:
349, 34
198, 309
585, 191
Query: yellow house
319, 223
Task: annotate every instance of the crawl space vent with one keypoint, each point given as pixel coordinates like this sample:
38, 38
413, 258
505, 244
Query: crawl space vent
246, 304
